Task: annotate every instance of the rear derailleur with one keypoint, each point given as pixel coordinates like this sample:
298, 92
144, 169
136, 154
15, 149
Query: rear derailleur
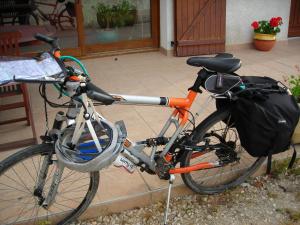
226, 154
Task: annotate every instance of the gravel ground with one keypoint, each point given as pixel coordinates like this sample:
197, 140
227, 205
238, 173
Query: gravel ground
260, 201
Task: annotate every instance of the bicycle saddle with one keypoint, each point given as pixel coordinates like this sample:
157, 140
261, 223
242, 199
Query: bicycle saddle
223, 63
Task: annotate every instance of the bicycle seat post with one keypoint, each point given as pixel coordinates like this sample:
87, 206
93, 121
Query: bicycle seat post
171, 181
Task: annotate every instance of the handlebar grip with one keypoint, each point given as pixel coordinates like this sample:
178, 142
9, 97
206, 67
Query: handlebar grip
97, 94
219, 81
49, 40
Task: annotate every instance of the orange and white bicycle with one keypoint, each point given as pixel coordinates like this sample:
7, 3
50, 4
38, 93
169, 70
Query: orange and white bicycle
56, 181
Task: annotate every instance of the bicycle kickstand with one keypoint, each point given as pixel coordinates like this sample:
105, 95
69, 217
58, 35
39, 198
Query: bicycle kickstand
171, 181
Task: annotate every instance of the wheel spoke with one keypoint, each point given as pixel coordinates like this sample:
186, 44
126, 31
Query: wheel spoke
21, 180
12, 180
76, 188
28, 172
223, 139
13, 188
17, 183
21, 213
37, 173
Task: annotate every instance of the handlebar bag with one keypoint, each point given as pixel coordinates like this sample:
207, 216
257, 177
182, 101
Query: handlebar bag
265, 119
44, 68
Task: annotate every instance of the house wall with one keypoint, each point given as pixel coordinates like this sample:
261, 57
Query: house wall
166, 23
239, 16
241, 13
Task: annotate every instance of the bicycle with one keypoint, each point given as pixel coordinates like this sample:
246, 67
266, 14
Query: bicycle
208, 156
60, 16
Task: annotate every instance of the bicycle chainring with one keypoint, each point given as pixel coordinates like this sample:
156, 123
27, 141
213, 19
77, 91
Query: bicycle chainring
162, 168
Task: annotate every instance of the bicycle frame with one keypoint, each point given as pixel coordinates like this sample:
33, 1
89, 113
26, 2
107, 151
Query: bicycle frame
181, 105
179, 118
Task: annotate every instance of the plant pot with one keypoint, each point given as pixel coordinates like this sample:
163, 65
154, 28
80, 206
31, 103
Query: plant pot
107, 35
130, 18
264, 42
296, 135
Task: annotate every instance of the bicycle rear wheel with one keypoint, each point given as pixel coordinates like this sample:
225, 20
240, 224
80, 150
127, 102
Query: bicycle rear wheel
65, 21
30, 19
221, 141
19, 202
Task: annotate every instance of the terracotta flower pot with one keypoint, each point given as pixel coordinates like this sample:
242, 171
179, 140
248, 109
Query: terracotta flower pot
264, 42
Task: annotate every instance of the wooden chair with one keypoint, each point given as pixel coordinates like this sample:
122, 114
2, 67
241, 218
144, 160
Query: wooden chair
9, 46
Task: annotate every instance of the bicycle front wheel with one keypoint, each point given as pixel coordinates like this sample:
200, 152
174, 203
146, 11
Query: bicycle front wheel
220, 141
20, 203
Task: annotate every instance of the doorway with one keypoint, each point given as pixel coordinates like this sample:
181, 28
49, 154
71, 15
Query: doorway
120, 24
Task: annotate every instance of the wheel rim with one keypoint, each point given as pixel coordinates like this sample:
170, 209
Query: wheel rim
18, 203
217, 178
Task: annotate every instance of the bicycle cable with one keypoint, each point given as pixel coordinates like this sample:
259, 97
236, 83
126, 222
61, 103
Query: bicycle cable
43, 93
79, 63
193, 121
46, 117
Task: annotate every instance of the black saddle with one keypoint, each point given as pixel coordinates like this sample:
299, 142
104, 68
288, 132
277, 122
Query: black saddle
222, 63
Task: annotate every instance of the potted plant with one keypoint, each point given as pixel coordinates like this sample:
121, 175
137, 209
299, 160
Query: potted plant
127, 13
111, 16
107, 20
294, 86
265, 33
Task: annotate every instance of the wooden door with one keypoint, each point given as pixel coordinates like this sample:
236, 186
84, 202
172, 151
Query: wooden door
199, 27
294, 25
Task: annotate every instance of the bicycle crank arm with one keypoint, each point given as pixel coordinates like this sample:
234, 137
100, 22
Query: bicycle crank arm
199, 166
54, 186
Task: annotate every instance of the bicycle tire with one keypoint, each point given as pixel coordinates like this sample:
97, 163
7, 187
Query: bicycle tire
70, 20
42, 150
196, 186
33, 15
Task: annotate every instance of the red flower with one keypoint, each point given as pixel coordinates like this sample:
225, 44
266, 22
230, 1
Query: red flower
274, 22
279, 19
255, 25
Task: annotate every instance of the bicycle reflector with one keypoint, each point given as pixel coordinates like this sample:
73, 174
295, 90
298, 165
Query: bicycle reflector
98, 145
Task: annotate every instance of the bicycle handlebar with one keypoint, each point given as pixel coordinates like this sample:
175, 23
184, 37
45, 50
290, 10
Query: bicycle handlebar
49, 40
96, 93
92, 91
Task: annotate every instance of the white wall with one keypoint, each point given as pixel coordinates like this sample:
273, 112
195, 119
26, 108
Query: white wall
166, 23
241, 13
239, 16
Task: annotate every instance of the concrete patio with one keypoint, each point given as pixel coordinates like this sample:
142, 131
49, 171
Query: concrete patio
151, 74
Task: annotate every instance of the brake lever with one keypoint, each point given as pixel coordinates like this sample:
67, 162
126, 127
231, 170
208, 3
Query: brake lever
53, 42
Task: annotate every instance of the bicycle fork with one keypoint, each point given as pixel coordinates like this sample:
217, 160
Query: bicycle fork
171, 181
47, 201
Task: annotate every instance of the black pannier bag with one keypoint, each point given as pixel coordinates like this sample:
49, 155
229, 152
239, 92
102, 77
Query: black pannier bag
265, 116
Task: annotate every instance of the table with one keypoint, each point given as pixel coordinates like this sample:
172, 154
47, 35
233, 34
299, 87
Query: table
28, 32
